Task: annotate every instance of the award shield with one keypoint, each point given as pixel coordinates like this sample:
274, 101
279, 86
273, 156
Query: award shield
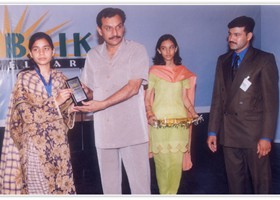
78, 94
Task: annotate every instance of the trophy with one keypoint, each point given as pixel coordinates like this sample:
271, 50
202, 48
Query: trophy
78, 94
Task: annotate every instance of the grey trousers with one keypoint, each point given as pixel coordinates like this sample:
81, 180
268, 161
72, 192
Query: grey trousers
136, 163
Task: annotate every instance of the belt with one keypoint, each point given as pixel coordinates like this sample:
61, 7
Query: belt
177, 122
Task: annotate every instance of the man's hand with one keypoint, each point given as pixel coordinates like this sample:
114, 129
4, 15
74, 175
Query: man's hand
212, 143
91, 106
88, 91
264, 147
125, 93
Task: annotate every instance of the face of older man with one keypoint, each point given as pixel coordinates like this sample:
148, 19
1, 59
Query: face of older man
112, 30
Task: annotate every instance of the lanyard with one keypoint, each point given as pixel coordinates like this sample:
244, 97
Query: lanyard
48, 85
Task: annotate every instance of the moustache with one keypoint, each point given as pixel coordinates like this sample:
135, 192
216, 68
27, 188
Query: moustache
115, 37
231, 42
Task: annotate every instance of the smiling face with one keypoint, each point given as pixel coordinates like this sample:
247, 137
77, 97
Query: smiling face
167, 49
112, 30
42, 53
238, 39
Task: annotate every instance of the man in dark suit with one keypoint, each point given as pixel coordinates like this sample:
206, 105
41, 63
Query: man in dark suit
244, 109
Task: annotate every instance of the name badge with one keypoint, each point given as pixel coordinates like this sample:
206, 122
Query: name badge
245, 84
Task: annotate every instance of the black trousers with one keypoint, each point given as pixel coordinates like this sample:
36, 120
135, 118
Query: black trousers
242, 163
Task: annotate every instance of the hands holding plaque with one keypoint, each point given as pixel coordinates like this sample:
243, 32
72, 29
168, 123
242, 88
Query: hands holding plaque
78, 95
82, 96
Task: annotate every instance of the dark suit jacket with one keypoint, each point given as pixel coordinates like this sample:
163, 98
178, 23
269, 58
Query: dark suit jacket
240, 117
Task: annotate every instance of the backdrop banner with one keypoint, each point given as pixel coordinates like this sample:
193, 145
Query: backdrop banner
201, 32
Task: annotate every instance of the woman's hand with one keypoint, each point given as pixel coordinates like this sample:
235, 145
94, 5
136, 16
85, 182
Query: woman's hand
187, 162
152, 120
195, 115
62, 96
71, 108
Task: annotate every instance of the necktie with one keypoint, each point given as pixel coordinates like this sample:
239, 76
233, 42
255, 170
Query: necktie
235, 66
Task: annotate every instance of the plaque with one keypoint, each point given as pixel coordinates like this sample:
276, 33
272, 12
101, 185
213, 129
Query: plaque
78, 94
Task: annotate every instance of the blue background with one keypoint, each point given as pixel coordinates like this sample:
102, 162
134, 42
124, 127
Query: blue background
200, 30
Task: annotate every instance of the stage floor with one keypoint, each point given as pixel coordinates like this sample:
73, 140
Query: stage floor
206, 177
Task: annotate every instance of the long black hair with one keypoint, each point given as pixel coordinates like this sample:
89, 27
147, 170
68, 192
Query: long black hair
158, 59
32, 40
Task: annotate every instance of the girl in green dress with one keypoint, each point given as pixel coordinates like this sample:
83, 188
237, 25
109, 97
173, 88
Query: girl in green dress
169, 100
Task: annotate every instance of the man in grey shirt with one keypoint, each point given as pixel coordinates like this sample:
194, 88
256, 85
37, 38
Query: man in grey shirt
115, 71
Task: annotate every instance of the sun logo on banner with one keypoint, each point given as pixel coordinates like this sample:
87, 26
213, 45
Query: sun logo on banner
10, 38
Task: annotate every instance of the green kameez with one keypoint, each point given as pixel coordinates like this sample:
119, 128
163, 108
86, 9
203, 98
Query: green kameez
168, 144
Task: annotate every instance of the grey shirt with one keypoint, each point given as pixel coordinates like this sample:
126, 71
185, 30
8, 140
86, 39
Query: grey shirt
123, 124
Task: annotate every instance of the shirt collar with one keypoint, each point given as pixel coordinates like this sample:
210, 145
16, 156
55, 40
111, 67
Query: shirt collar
241, 54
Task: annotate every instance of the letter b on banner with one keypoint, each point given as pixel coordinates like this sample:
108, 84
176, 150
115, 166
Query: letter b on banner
14, 47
